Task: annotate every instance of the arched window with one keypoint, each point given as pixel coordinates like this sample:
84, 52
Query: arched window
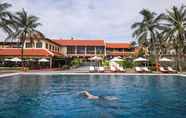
39, 45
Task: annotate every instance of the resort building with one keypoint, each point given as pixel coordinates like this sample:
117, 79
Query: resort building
39, 47
89, 48
120, 49
82, 48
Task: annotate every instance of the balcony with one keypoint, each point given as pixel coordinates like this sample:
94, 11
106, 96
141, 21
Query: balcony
118, 53
81, 54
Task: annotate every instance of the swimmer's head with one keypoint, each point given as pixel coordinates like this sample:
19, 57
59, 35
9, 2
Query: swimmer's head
85, 93
89, 95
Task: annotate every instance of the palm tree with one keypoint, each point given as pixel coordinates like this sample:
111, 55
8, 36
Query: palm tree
146, 30
5, 17
23, 27
175, 28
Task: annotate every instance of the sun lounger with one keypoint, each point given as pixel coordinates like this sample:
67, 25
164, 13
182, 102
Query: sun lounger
145, 69
170, 69
121, 69
91, 69
101, 69
163, 70
139, 69
112, 68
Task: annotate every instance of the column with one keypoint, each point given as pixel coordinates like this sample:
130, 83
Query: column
50, 62
105, 51
95, 50
85, 50
76, 50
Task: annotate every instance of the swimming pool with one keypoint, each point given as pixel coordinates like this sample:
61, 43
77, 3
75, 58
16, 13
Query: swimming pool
57, 96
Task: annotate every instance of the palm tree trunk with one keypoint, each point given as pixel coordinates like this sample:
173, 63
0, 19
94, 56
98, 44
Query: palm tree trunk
22, 53
180, 61
22, 49
155, 52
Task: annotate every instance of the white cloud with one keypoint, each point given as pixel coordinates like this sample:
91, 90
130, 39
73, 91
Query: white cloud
103, 19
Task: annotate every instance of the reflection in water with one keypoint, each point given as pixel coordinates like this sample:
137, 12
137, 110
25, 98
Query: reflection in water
126, 96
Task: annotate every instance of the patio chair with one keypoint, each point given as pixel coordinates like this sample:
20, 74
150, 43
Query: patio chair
91, 69
170, 69
139, 69
121, 69
112, 68
101, 69
163, 70
146, 69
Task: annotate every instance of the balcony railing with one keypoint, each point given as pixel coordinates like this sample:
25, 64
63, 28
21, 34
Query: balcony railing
118, 53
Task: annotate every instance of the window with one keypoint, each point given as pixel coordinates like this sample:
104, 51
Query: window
56, 49
100, 50
53, 48
39, 45
90, 50
70, 50
28, 45
50, 47
46, 45
128, 49
80, 50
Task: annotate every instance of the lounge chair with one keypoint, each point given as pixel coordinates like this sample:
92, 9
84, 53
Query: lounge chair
101, 69
145, 69
91, 69
163, 70
112, 68
139, 69
121, 69
170, 69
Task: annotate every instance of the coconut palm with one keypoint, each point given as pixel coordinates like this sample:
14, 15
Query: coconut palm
175, 28
5, 17
22, 27
146, 30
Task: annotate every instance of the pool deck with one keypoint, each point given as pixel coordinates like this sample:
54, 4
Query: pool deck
74, 73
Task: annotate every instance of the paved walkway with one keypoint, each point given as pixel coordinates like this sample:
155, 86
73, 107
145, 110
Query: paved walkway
84, 70
81, 69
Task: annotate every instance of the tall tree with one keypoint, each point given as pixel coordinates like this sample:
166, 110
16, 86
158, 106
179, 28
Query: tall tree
175, 28
5, 17
23, 26
146, 30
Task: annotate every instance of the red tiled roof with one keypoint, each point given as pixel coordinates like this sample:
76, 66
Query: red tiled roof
65, 42
118, 45
26, 52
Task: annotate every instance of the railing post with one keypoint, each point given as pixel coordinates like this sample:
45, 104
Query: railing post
95, 51
76, 50
85, 50
50, 62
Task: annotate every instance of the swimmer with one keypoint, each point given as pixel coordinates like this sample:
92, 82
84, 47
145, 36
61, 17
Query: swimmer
90, 96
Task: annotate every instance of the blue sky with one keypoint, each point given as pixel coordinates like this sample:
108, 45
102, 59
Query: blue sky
90, 19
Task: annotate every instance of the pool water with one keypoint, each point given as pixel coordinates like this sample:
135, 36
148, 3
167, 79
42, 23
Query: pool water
58, 96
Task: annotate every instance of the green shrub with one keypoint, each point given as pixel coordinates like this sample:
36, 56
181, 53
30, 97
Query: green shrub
105, 63
128, 64
75, 62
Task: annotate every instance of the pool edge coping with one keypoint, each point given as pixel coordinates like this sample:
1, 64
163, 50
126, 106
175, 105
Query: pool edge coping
9, 74
62, 73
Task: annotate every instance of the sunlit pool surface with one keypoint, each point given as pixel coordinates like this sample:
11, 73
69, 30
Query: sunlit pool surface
57, 96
